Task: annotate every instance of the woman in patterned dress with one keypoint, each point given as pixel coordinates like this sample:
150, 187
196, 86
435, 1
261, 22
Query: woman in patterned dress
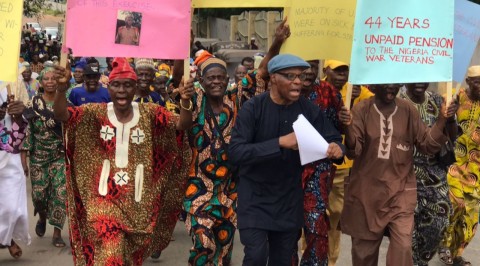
46, 162
433, 204
317, 177
210, 199
463, 175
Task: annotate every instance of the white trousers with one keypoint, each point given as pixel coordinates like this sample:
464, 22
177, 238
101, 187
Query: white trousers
13, 200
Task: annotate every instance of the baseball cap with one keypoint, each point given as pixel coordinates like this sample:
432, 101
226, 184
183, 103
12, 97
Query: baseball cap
89, 70
334, 63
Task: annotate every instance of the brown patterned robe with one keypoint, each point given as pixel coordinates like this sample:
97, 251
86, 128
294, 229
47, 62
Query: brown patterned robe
114, 218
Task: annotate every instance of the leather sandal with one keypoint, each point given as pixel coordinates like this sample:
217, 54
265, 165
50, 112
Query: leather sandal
445, 256
40, 228
58, 242
460, 261
15, 250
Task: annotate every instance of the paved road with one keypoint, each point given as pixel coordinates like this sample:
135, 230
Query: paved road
42, 253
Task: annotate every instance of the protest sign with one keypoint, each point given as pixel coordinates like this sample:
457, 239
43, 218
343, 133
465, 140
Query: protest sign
129, 28
243, 3
466, 35
402, 41
321, 29
10, 35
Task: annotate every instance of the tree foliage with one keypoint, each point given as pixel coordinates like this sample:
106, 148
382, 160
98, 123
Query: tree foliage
33, 8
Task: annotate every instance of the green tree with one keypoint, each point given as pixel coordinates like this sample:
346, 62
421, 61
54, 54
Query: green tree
33, 8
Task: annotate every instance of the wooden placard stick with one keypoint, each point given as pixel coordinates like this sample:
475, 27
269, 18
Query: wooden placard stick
186, 70
348, 98
186, 62
449, 93
10, 94
64, 49
9, 90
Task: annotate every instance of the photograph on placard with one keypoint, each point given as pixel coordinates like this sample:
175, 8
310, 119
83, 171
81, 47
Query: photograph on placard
128, 27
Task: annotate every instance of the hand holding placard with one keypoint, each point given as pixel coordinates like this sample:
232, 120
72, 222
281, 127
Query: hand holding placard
321, 29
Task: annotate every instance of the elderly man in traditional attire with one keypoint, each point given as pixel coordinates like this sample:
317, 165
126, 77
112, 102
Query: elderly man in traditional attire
380, 193
126, 171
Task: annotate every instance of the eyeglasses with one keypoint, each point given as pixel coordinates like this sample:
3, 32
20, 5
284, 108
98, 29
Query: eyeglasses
293, 76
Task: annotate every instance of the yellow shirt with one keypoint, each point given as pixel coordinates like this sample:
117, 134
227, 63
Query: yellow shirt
365, 93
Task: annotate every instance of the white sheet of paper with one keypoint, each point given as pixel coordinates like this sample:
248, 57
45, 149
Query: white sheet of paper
311, 145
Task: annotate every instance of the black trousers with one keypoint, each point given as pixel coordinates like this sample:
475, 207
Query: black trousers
264, 245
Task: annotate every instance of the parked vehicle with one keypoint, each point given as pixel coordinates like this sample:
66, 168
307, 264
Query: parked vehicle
35, 25
232, 52
52, 31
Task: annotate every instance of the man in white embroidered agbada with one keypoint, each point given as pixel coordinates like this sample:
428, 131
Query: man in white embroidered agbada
126, 171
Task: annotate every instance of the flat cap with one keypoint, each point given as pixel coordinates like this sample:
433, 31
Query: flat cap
284, 61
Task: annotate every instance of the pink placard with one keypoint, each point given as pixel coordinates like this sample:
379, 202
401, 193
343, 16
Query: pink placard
159, 28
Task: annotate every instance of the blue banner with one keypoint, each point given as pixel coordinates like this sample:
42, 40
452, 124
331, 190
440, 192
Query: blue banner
466, 35
402, 41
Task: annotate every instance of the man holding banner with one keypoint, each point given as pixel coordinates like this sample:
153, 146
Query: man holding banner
126, 171
380, 193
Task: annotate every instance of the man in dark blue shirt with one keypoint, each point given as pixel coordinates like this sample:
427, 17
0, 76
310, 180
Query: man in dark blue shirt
91, 91
264, 146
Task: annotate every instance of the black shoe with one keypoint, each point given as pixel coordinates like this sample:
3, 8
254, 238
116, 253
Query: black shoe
40, 228
156, 254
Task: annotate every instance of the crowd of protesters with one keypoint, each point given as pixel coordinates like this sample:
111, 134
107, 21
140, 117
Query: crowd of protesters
124, 152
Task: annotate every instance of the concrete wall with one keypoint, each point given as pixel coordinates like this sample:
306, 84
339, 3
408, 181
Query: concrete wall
260, 25
219, 28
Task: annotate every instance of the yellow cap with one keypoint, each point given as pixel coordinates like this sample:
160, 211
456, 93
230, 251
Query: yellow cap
334, 64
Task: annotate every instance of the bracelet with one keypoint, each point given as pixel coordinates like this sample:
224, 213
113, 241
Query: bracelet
190, 107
